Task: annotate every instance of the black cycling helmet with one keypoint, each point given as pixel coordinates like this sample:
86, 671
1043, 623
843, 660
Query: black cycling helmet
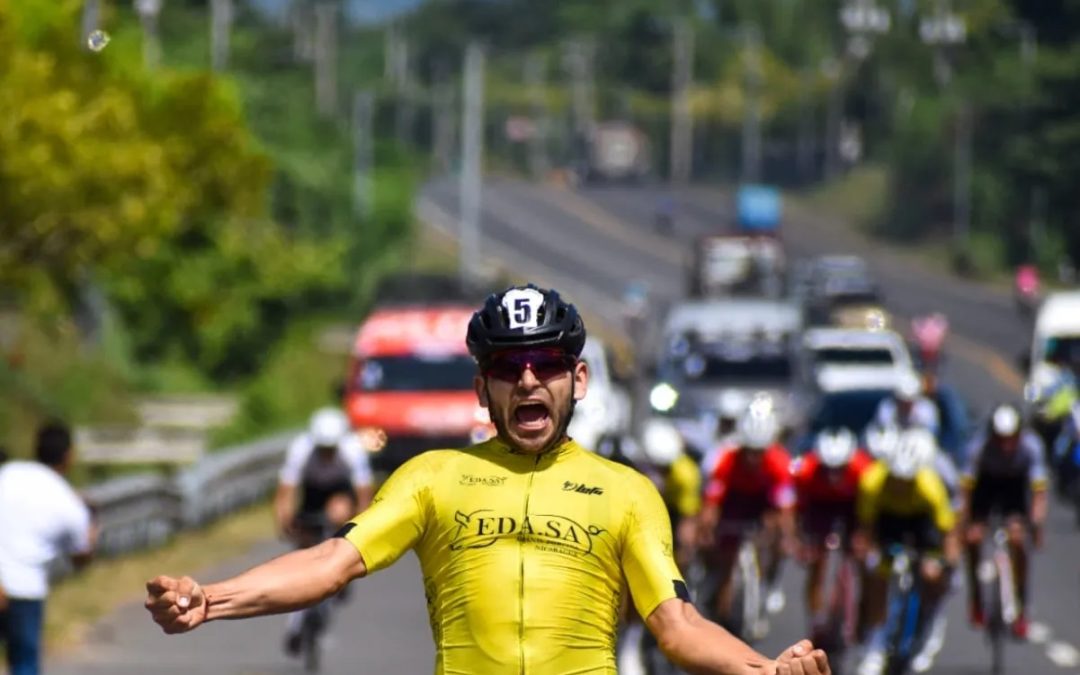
523, 317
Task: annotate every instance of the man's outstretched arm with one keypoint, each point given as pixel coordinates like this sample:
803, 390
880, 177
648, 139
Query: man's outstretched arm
698, 645
289, 582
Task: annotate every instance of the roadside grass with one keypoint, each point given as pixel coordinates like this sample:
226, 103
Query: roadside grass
76, 602
858, 198
858, 201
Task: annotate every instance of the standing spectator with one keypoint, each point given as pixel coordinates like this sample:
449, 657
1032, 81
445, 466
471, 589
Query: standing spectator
41, 519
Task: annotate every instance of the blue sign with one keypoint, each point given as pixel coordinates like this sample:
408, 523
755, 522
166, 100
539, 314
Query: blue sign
758, 208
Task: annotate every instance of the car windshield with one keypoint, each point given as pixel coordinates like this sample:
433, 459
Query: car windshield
840, 356
451, 372
742, 364
1063, 349
853, 410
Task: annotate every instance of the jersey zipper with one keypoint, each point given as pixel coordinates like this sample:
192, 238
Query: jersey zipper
521, 572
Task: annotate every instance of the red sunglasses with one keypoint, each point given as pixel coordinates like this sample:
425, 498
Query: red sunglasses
545, 364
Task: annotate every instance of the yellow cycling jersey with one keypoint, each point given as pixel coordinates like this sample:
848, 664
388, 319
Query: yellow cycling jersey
524, 556
682, 489
929, 497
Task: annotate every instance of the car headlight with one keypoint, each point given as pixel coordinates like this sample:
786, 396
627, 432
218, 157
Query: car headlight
663, 397
372, 439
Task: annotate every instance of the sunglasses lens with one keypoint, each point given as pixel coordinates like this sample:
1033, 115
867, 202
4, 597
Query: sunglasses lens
544, 365
505, 371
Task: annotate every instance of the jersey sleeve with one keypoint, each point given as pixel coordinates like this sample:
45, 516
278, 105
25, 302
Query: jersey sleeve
686, 486
933, 490
867, 504
926, 415
647, 552
295, 457
397, 517
972, 458
359, 466
1037, 473
782, 490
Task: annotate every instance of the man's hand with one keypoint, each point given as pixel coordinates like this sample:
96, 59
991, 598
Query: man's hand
177, 605
800, 659
3, 600
1037, 536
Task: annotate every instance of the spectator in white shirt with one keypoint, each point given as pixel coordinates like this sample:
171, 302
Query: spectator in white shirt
41, 519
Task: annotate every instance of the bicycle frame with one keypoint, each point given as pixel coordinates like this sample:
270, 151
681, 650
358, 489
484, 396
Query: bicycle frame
904, 607
998, 588
315, 619
748, 570
842, 595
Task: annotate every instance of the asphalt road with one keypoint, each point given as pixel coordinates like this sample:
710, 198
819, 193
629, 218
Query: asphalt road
593, 243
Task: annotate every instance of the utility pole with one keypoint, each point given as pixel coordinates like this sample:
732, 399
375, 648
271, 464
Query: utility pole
751, 133
303, 44
221, 17
535, 81
148, 11
442, 119
363, 128
90, 17
472, 158
805, 145
681, 120
579, 58
396, 69
326, 58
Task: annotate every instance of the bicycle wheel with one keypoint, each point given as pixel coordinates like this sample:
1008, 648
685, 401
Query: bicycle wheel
735, 621
1001, 594
309, 640
752, 602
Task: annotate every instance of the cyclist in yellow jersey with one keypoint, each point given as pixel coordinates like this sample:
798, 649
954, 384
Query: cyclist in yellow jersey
678, 479
902, 500
523, 540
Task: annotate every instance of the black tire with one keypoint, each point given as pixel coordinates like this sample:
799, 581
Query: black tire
309, 641
734, 621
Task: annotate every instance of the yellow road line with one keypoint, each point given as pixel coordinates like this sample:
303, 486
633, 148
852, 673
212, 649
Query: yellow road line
986, 357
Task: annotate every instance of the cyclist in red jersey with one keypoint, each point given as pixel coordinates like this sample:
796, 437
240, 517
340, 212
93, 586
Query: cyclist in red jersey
751, 485
826, 485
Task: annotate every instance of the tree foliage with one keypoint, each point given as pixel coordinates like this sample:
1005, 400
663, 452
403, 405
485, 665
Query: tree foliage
152, 187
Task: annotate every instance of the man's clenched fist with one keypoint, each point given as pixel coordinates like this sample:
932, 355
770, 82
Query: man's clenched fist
177, 605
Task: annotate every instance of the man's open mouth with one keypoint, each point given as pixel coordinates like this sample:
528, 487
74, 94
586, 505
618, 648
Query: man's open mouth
531, 416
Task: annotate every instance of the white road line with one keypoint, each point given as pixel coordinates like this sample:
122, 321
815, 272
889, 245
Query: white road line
1063, 655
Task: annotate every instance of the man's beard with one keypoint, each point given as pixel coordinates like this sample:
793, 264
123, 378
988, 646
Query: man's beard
502, 429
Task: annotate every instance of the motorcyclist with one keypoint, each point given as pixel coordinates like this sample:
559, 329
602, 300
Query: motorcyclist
930, 332
1027, 288
664, 214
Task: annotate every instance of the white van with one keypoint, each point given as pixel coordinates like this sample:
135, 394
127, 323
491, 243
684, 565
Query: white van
1056, 340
